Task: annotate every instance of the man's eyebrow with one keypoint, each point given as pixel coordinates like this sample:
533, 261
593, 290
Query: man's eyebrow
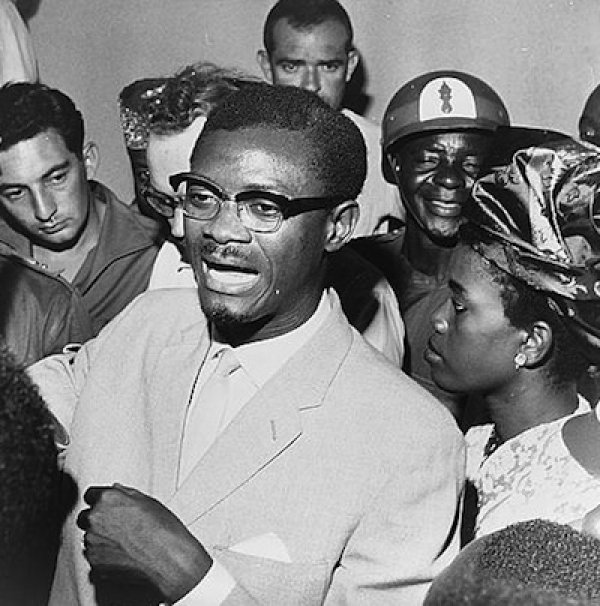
57, 167
62, 166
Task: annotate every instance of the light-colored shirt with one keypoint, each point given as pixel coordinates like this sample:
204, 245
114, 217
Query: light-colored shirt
170, 270
379, 202
17, 56
259, 362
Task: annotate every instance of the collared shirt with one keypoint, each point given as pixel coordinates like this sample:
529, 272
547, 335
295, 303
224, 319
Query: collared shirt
367, 298
259, 361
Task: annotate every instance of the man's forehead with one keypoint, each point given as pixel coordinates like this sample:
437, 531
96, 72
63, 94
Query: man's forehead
33, 157
456, 140
327, 38
170, 153
259, 154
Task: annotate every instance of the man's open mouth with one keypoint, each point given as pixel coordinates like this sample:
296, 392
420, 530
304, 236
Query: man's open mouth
228, 278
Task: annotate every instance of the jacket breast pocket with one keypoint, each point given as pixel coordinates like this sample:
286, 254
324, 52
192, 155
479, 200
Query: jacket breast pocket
271, 581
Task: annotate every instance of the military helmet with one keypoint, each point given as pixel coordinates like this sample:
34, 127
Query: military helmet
442, 100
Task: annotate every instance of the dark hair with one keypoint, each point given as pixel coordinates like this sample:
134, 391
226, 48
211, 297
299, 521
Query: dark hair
532, 562
305, 14
29, 479
333, 142
193, 91
524, 305
28, 109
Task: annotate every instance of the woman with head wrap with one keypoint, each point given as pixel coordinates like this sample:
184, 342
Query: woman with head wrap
521, 326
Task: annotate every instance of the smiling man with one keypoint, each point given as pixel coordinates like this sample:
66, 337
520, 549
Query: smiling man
264, 452
309, 44
437, 132
52, 212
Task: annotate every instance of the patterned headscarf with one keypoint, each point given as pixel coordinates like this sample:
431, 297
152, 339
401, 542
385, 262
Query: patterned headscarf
542, 212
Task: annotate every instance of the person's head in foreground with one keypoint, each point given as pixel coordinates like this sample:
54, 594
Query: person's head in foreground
436, 133
272, 188
309, 44
523, 319
530, 563
29, 477
44, 166
174, 123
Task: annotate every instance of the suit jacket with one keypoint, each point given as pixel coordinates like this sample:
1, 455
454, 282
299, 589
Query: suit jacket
353, 467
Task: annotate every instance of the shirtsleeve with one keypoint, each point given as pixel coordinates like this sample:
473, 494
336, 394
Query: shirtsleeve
212, 590
17, 57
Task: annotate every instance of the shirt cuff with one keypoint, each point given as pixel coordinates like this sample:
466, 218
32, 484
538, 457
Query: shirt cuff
212, 590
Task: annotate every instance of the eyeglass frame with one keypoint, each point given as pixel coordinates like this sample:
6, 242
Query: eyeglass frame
170, 201
286, 204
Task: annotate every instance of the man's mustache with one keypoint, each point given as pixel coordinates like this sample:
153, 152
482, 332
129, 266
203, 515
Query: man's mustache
210, 248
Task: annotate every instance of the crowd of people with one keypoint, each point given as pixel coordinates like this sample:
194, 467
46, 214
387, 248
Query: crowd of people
315, 360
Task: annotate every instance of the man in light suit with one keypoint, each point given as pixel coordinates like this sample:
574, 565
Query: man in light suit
329, 476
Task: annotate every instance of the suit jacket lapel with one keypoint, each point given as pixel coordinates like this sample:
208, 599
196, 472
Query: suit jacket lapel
171, 386
268, 424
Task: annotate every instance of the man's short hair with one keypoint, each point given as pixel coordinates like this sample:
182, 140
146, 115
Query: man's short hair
532, 562
335, 145
28, 109
306, 14
192, 92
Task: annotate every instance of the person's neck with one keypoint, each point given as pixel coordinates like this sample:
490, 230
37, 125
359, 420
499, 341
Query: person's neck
68, 261
529, 403
426, 256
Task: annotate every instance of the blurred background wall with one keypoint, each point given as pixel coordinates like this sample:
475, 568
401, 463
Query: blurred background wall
541, 56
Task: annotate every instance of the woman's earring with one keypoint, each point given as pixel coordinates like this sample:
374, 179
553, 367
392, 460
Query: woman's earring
520, 360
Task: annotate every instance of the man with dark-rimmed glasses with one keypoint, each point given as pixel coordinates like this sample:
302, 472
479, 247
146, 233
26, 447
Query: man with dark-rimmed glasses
311, 484
178, 117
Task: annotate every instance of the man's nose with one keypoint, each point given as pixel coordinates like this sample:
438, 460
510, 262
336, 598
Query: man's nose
312, 79
44, 206
227, 226
450, 176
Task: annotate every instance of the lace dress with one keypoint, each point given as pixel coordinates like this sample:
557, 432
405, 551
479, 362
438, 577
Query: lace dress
529, 476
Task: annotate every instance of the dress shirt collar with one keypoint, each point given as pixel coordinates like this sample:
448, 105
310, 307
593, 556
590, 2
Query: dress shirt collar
262, 359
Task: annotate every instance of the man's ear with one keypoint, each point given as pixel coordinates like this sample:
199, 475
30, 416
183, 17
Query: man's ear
537, 344
262, 57
353, 59
342, 221
391, 170
91, 159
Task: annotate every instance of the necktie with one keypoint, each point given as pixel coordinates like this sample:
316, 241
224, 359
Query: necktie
207, 413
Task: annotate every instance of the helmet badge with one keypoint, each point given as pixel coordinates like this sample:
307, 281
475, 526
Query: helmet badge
445, 96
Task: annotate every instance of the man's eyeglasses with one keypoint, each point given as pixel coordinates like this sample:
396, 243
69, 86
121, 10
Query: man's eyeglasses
258, 210
162, 203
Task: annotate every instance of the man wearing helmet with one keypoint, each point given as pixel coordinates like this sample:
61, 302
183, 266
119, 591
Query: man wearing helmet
437, 131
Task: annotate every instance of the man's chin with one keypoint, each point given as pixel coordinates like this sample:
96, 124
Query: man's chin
234, 326
443, 230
